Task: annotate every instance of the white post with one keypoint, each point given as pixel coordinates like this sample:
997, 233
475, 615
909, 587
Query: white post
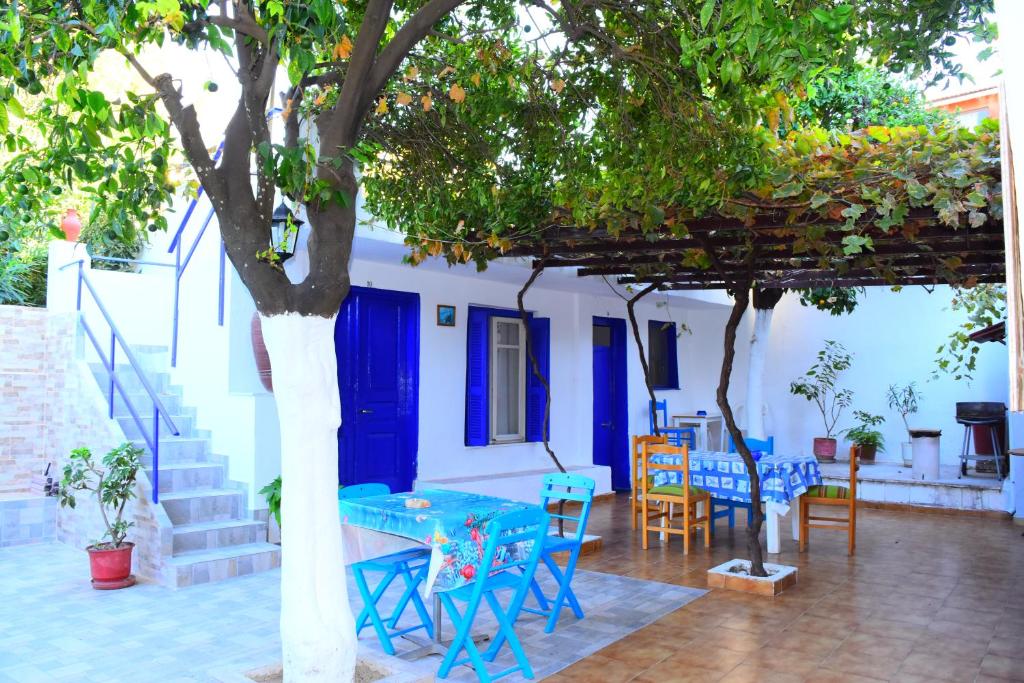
317, 629
755, 372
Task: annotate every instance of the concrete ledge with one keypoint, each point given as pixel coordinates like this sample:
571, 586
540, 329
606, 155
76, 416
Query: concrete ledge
779, 579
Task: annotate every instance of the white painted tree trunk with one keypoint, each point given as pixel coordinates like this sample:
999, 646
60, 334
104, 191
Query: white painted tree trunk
755, 373
317, 629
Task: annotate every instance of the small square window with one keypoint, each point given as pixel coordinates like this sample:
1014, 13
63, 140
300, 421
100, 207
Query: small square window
661, 354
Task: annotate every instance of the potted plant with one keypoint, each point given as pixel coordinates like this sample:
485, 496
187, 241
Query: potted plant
864, 435
272, 492
819, 385
110, 558
904, 401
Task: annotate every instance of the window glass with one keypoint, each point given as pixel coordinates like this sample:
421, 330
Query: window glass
661, 343
602, 335
507, 380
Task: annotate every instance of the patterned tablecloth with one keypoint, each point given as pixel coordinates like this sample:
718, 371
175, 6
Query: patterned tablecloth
724, 475
452, 526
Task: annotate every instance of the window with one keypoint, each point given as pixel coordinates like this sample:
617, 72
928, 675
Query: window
661, 354
505, 401
507, 380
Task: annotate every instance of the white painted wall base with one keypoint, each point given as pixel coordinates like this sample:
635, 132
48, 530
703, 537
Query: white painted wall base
522, 486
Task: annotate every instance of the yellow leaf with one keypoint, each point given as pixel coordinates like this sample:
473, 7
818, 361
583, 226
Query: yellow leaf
456, 93
403, 98
343, 49
382, 105
475, 79
427, 101
445, 71
411, 73
511, 81
558, 85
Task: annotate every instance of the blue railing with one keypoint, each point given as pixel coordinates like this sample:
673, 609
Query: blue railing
150, 435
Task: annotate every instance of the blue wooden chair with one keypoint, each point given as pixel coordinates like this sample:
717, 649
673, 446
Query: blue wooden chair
570, 488
676, 435
729, 506
502, 532
411, 565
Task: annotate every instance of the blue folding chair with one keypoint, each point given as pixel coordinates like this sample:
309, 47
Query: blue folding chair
557, 488
729, 506
676, 435
500, 555
411, 565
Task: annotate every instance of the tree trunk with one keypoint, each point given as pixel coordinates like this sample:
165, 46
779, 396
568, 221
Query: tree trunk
741, 300
317, 629
630, 304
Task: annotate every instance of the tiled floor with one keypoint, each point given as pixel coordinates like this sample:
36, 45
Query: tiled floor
926, 598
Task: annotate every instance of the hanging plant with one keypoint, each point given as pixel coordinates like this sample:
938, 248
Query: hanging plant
832, 300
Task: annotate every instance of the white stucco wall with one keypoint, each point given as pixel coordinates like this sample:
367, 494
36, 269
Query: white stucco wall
893, 337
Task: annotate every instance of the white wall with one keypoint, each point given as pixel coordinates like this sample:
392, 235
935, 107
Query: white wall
893, 336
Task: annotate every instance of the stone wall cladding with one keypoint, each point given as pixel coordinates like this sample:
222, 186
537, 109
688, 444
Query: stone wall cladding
52, 401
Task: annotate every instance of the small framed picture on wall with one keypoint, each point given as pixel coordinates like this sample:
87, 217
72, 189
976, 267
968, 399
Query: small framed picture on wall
445, 315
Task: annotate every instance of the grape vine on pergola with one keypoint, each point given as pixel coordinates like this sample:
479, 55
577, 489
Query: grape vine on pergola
883, 207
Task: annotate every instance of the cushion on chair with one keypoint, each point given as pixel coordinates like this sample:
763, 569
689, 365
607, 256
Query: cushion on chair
676, 490
828, 491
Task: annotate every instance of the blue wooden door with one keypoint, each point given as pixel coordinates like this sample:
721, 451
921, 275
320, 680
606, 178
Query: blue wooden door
610, 429
377, 343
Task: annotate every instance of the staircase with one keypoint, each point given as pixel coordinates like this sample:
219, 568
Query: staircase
214, 538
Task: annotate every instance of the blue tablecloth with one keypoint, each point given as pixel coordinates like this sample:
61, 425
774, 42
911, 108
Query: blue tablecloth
724, 475
452, 526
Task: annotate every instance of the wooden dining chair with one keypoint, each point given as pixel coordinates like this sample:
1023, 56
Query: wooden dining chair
831, 494
636, 467
684, 495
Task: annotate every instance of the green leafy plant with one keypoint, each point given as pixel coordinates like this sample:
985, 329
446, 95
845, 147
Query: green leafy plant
113, 484
819, 384
272, 492
904, 400
864, 432
833, 300
984, 305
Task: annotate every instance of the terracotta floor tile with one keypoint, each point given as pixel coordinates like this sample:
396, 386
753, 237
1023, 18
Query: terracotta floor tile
972, 616
974, 632
1007, 646
666, 673
599, 668
811, 645
938, 667
750, 673
1003, 667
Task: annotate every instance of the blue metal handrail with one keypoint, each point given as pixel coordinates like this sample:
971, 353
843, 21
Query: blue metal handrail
152, 438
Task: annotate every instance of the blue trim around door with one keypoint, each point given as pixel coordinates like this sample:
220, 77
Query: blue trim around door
611, 396
377, 342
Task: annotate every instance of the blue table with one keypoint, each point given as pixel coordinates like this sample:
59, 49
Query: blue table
784, 478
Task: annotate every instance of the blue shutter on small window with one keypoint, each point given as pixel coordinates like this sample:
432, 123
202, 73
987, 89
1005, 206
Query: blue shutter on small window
477, 348
540, 333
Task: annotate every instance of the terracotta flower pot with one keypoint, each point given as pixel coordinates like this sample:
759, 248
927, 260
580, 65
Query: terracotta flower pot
71, 224
111, 567
866, 453
260, 353
825, 449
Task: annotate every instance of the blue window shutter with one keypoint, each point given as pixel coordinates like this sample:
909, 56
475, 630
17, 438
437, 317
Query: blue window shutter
540, 333
672, 343
477, 361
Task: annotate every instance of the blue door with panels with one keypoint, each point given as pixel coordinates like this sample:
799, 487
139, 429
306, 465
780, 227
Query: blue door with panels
377, 343
611, 428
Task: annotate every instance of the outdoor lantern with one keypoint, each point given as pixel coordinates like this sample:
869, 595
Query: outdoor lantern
283, 239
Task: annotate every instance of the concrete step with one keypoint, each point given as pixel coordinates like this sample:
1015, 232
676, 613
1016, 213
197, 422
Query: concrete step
190, 475
221, 534
129, 379
204, 566
184, 423
143, 404
176, 450
202, 505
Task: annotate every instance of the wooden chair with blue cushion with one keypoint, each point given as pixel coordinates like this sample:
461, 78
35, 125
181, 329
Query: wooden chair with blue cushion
637, 465
411, 565
730, 506
833, 495
508, 572
684, 495
570, 488
676, 435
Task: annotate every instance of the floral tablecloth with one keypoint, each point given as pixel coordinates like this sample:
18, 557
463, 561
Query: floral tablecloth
452, 526
724, 475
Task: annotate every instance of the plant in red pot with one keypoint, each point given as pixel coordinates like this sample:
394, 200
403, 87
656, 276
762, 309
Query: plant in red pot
820, 386
113, 483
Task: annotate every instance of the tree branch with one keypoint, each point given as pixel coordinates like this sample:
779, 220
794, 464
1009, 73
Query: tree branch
630, 304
